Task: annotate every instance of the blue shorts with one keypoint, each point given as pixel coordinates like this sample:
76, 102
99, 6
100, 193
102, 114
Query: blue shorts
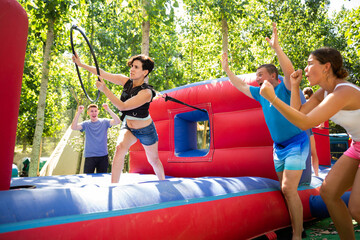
147, 135
292, 154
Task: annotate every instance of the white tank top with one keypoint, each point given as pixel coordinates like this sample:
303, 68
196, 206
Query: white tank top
348, 119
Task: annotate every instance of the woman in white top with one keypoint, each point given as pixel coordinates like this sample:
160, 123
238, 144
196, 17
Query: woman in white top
339, 101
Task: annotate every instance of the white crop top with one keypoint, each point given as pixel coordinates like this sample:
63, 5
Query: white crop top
348, 119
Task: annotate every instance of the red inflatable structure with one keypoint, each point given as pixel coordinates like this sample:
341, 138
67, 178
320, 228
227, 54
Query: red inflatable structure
13, 29
228, 111
323, 144
225, 190
240, 142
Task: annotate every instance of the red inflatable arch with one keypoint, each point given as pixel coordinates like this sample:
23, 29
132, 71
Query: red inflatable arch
13, 29
240, 143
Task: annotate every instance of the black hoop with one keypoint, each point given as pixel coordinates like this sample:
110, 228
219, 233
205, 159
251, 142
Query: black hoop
77, 67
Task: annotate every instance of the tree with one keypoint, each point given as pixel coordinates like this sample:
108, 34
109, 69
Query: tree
348, 34
185, 48
206, 34
48, 13
35, 154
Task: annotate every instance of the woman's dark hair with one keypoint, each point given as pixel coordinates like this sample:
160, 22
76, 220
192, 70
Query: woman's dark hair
308, 92
332, 56
147, 62
270, 68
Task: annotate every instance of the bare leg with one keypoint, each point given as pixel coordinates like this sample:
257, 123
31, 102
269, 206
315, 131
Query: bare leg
280, 177
289, 185
152, 154
314, 156
340, 179
125, 140
354, 201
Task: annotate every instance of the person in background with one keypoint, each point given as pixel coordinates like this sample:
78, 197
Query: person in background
339, 101
96, 151
308, 92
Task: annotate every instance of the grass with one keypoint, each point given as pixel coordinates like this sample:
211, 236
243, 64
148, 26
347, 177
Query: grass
323, 229
48, 145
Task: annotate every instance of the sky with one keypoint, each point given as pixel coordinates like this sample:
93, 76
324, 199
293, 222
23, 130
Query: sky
335, 5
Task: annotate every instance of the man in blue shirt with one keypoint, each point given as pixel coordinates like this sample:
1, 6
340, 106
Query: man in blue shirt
291, 144
96, 151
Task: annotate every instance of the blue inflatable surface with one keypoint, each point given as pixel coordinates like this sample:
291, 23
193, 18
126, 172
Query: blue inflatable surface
92, 196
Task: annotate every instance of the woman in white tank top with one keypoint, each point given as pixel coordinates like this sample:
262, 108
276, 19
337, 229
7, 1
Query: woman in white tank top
339, 101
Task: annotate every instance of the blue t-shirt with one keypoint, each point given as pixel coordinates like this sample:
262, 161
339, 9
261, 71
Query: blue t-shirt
280, 128
96, 137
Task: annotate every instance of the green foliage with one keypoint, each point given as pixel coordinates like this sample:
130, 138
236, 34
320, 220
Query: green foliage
347, 26
39, 12
185, 48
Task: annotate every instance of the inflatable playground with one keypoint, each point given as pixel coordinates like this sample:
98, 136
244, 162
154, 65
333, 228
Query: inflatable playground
222, 187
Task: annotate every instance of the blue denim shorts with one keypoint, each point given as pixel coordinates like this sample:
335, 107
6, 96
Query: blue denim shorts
292, 154
147, 135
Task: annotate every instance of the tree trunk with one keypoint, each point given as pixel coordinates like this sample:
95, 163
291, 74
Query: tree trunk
35, 154
192, 45
145, 46
24, 143
145, 30
225, 35
145, 27
90, 62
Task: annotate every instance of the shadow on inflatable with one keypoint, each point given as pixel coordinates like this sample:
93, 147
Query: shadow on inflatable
220, 182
